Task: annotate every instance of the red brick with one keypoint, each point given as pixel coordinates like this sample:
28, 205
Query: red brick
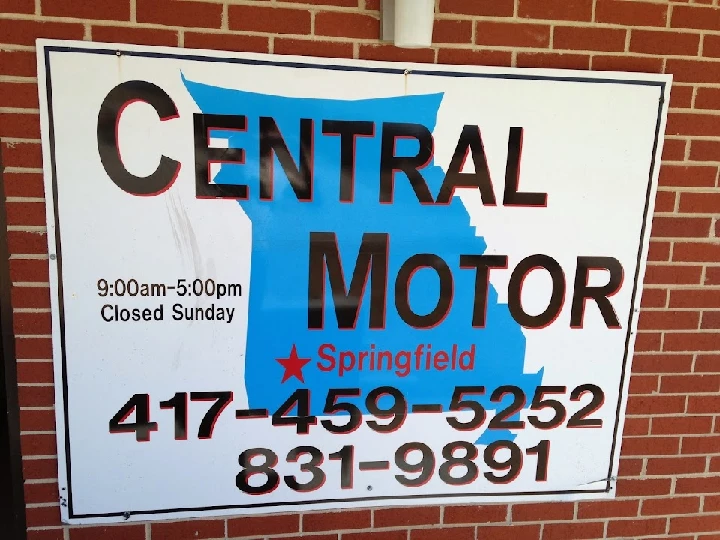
45, 516
651, 446
577, 531
634, 427
391, 53
695, 251
543, 511
31, 297
18, 6
27, 242
704, 405
329, 521
669, 320
313, 48
39, 469
24, 32
631, 13
38, 445
23, 184
704, 18
342, 3
36, 396
248, 526
643, 64
631, 467
663, 43
636, 527
34, 420
711, 46
556, 10
452, 31
711, 504
230, 42
659, 251
28, 154
41, 493
605, 509
672, 505
512, 34
33, 348
692, 342
592, 39
648, 341
673, 150
478, 58
692, 124
26, 213
708, 363
45, 534
188, 529
370, 5
712, 275
675, 465
20, 95
32, 323
643, 384
714, 464
504, 532
346, 25
656, 405
673, 275
17, 63
488, 8
456, 533
662, 363
692, 384
699, 202
708, 484
20, 125
553, 60
681, 425
29, 270
404, 517
380, 535
118, 10
310, 536
651, 486
137, 36
707, 98
186, 13
475, 514
694, 71
694, 524
119, 532
705, 151
680, 97
35, 372
653, 298
700, 445
269, 19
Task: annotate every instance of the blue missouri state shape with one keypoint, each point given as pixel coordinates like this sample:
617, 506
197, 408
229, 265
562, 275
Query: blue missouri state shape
278, 297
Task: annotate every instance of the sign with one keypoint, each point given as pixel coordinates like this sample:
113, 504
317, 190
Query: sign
285, 283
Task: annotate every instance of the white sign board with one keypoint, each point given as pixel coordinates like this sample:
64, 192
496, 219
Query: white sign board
285, 283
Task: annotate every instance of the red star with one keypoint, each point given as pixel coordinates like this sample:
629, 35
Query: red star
293, 365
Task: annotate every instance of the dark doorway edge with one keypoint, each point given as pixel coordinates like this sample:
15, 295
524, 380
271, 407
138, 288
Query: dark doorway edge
12, 496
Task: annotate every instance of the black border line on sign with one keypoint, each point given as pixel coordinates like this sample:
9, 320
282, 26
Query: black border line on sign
333, 67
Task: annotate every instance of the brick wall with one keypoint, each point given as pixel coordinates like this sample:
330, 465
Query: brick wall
669, 484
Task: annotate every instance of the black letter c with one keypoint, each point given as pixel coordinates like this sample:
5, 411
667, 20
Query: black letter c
107, 137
